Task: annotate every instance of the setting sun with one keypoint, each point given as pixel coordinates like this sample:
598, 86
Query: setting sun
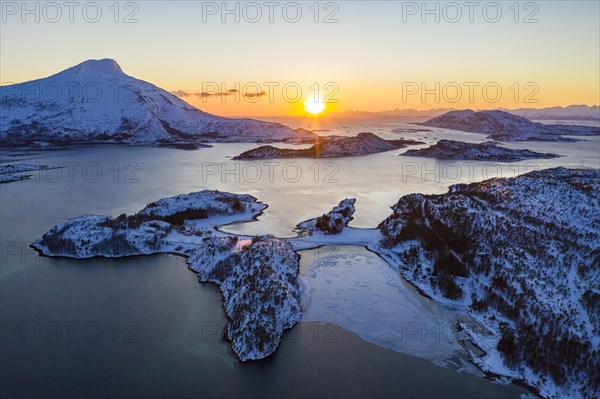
314, 106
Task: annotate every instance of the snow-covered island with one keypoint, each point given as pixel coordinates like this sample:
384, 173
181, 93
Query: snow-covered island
504, 126
170, 225
330, 146
18, 172
95, 102
257, 276
332, 222
521, 255
488, 151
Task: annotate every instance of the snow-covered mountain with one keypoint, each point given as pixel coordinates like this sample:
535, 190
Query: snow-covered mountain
504, 126
96, 102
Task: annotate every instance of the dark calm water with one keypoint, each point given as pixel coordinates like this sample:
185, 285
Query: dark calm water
144, 326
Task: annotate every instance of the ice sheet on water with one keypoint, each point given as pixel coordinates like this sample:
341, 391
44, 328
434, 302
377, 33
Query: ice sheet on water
359, 291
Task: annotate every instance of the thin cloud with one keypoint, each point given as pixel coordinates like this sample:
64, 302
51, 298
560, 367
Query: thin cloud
181, 93
255, 95
204, 94
220, 93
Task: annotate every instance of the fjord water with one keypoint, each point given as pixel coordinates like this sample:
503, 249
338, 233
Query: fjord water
143, 326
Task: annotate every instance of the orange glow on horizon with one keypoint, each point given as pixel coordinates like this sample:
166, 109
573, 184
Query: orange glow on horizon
389, 98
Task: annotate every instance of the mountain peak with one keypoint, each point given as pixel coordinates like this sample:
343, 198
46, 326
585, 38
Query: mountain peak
105, 66
96, 102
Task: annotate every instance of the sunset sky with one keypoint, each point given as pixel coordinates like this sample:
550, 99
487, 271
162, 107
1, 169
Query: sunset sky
370, 56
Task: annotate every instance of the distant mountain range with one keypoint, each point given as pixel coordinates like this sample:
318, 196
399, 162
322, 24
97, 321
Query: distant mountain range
504, 126
572, 112
96, 102
394, 113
